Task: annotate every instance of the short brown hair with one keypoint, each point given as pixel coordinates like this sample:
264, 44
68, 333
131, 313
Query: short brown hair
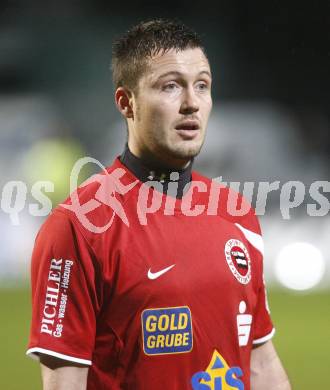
130, 53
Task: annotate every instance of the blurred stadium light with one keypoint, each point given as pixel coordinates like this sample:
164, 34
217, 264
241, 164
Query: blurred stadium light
33, 146
300, 266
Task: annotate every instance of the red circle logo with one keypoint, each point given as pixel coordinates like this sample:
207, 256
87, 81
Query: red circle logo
238, 260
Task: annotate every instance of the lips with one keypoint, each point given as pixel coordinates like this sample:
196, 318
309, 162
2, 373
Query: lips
188, 129
187, 125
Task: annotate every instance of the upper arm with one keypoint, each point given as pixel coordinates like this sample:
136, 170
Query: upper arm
65, 293
267, 370
58, 374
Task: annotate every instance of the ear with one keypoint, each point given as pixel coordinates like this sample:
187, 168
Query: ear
123, 99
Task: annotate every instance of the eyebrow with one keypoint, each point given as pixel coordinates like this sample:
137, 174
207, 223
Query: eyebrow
179, 74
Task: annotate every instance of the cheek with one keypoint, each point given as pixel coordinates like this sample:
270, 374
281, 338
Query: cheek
163, 112
206, 107
158, 111
146, 114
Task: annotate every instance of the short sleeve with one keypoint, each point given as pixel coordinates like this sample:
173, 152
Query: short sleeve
64, 282
263, 329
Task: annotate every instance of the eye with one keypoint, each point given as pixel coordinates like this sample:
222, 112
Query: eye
170, 86
202, 86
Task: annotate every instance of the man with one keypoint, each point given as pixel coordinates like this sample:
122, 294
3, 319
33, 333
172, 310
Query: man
170, 294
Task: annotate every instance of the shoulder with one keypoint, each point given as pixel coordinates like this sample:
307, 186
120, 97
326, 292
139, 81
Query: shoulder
228, 203
95, 203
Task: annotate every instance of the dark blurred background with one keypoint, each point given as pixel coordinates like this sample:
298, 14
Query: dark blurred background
271, 121
268, 51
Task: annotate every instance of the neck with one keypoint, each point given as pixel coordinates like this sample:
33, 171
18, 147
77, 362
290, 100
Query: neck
151, 169
160, 161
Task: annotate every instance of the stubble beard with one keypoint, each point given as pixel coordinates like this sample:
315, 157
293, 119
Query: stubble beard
181, 151
170, 149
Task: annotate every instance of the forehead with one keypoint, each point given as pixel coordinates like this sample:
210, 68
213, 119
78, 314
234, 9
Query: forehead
188, 62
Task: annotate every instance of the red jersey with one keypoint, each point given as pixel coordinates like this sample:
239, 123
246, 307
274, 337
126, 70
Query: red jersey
151, 291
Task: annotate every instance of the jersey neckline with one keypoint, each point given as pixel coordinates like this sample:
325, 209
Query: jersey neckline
168, 199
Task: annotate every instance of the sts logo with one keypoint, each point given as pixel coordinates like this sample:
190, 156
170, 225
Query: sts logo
218, 376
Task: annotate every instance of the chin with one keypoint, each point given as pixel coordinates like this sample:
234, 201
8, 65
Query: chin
185, 152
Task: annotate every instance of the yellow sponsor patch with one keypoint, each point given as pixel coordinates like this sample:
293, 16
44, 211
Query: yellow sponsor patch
167, 330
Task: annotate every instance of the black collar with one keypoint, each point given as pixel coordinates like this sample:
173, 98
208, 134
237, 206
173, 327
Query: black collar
145, 174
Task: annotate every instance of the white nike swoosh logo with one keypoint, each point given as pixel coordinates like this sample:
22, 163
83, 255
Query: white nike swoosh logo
155, 275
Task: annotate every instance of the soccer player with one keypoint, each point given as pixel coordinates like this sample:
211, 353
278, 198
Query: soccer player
145, 278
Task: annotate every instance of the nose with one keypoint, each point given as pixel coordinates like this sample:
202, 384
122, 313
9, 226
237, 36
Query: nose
189, 103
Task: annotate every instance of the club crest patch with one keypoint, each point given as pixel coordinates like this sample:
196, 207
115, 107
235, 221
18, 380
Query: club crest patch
238, 260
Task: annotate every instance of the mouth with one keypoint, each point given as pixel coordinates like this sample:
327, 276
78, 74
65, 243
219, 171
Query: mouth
188, 129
